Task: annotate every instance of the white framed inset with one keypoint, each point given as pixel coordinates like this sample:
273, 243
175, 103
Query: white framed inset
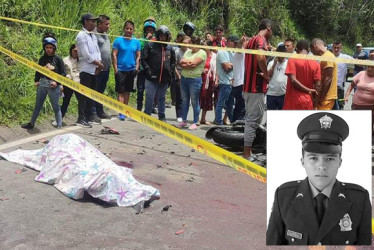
284, 150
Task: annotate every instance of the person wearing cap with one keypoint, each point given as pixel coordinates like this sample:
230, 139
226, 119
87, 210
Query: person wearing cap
327, 92
103, 41
225, 66
278, 81
90, 66
360, 54
320, 210
304, 77
46, 86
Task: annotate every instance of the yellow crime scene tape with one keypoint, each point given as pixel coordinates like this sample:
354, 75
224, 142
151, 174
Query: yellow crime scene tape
195, 142
246, 51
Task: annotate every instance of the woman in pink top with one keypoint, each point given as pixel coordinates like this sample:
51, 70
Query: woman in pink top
363, 98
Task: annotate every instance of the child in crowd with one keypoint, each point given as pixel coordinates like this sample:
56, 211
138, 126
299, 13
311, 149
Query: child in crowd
45, 85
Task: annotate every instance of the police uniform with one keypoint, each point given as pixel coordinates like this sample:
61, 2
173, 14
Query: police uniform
347, 218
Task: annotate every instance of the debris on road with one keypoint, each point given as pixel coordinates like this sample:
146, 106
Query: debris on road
4, 199
166, 208
109, 130
18, 171
191, 179
179, 232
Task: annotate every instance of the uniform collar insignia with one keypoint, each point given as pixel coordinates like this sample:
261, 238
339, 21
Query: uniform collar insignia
341, 195
299, 195
325, 121
345, 223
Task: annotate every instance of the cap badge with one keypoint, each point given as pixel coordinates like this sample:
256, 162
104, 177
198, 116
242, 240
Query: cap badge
325, 121
345, 223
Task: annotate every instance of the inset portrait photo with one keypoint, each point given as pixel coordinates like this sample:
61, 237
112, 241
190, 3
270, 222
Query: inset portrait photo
319, 178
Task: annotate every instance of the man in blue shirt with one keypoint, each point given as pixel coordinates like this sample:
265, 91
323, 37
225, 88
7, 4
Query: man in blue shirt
226, 77
126, 56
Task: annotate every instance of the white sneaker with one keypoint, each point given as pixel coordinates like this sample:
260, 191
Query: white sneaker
179, 119
54, 124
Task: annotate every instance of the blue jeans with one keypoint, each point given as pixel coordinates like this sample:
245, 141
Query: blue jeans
150, 93
101, 86
223, 102
190, 89
54, 95
274, 102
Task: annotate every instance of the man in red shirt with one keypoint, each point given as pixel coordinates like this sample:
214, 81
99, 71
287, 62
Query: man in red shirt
304, 77
219, 39
255, 83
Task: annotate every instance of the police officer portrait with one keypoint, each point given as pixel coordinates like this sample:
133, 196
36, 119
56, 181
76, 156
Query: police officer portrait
319, 178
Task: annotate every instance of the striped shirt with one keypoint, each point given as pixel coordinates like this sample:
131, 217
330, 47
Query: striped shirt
254, 83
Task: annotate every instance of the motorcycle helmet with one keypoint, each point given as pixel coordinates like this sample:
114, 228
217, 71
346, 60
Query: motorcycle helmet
49, 40
188, 28
162, 30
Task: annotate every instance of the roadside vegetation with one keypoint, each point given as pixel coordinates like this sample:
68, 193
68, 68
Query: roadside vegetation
346, 20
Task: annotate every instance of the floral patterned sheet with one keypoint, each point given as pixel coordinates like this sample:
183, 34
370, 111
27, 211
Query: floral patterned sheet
73, 166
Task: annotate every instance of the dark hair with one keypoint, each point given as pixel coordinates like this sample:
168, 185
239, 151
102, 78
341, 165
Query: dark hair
264, 24
102, 18
220, 28
371, 51
290, 40
302, 45
181, 34
338, 42
73, 46
129, 22
195, 40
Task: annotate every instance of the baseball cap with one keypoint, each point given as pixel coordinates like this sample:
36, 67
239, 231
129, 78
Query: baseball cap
88, 16
359, 45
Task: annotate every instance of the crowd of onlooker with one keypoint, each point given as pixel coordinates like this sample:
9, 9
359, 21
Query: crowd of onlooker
236, 86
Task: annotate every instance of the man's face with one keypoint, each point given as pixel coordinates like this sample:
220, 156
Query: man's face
290, 47
313, 49
163, 37
321, 169
104, 26
358, 48
219, 34
149, 30
336, 49
128, 30
90, 24
231, 44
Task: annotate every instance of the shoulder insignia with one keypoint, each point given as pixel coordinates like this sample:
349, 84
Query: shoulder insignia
353, 186
289, 184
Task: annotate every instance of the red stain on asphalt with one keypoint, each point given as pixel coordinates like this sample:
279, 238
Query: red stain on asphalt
226, 204
124, 164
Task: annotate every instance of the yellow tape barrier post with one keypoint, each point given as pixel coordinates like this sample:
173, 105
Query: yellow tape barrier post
247, 51
197, 143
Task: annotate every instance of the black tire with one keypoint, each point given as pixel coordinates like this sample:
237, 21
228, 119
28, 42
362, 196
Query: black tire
234, 137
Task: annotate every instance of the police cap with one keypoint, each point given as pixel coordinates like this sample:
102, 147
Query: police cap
323, 132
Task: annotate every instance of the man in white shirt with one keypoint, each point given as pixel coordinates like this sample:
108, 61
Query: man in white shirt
90, 66
337, 48
278, 81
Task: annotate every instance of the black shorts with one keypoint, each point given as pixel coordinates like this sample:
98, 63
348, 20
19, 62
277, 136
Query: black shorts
125, 81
